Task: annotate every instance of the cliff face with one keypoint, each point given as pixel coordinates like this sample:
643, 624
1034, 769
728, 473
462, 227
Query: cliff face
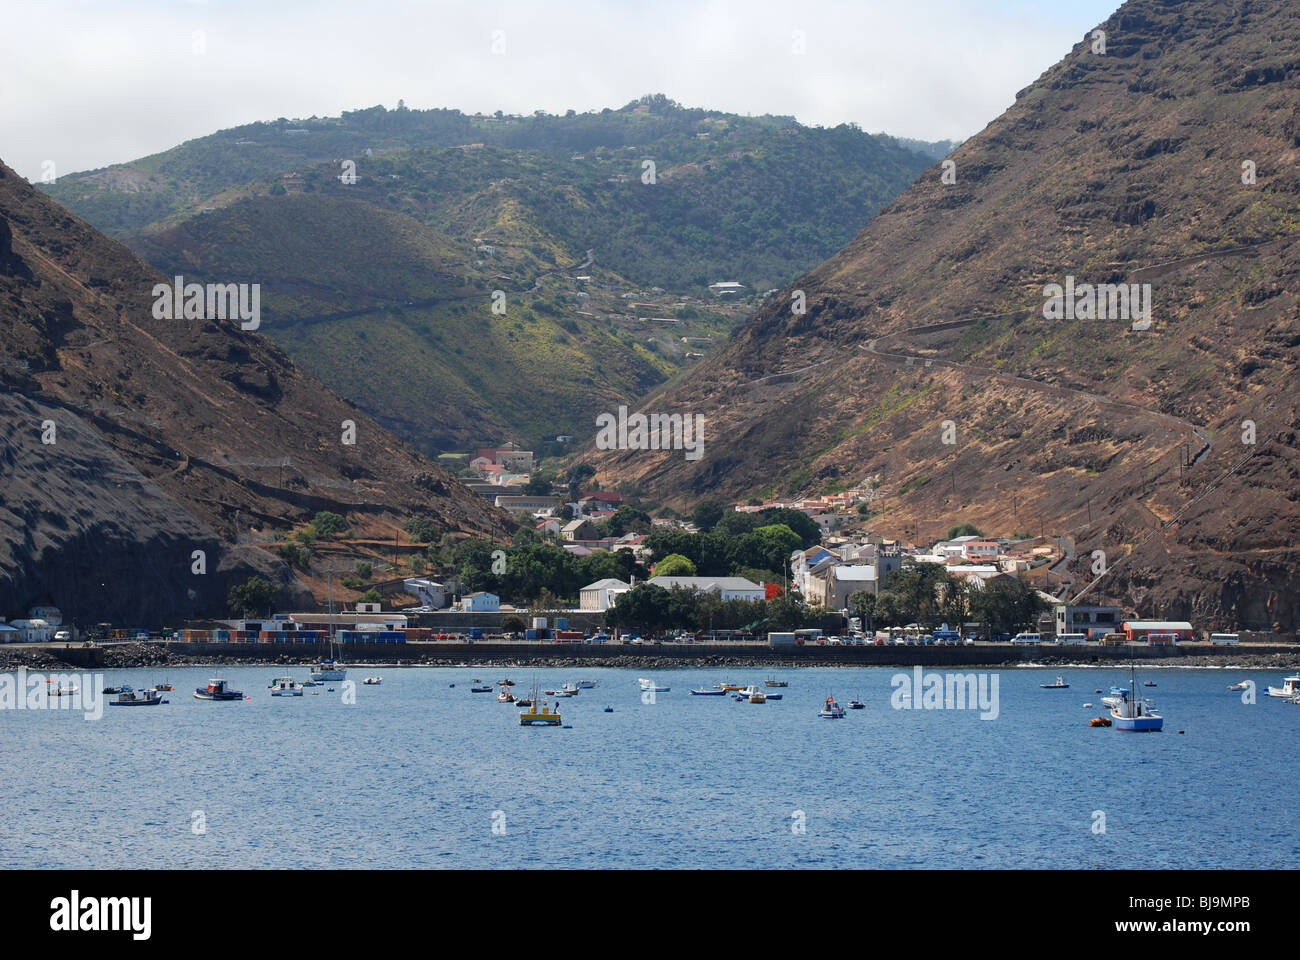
1123, 167
131, 442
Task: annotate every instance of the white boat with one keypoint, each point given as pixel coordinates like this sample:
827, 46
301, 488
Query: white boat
754, 694
1290, 688
286, 687
126, 697
373, 681
1243, 684
586, 684
832, 710
55, 690
1060, 684
569, 689
648, 686
1133, 713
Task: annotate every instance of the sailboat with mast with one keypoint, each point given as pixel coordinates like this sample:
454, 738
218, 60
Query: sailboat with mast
330, 669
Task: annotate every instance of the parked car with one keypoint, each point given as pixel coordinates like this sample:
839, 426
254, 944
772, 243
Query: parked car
63, 636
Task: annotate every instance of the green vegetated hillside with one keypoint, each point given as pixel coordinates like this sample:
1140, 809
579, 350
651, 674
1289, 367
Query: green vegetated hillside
383, 286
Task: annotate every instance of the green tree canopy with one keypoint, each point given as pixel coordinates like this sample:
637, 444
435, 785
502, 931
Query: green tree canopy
675, 565
255, 596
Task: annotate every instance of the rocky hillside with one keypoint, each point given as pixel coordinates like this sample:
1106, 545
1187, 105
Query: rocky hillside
925, 359
132, 442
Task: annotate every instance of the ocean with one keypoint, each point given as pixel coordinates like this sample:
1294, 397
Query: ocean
417, 773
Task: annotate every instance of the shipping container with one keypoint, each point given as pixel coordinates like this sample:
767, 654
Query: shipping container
539, 623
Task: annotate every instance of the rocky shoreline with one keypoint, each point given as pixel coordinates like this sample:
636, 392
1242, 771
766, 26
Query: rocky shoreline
138, 655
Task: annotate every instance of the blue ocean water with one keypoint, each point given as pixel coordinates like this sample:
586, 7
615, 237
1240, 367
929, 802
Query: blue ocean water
418, 774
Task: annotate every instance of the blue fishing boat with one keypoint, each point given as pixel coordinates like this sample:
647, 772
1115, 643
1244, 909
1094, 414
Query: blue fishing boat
708, 693
1132, 713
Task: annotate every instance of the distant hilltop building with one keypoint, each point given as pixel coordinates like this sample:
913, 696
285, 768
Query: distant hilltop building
726, 288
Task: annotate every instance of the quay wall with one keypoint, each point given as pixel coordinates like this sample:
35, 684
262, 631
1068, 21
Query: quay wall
988, 654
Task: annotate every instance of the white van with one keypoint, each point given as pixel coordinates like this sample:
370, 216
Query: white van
1223, 638
1024, 638
1071, 638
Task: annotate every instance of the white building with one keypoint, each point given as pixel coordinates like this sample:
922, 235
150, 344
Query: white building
430, 593
480, 603
34, 630
601, 595
731, 588
10, 634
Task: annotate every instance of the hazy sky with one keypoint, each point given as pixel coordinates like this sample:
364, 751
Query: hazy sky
90, 83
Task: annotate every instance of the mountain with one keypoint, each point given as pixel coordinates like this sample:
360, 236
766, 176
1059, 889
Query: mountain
132, 442
380, 237
1123, 166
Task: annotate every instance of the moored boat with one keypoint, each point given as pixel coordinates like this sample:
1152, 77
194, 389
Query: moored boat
217, 689
702, 692
1135, 714
482, 689
539, 713
832, 710
857, 705
126, 697
1060, 684
1289, 689
373, 681
286, 687
1243, 684
775, 683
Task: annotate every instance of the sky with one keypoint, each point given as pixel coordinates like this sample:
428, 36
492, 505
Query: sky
88, 83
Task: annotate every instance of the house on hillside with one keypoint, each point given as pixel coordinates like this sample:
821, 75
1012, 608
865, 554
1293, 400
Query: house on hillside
429, 593
579, 529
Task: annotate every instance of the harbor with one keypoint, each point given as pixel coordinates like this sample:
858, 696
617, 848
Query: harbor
640, 773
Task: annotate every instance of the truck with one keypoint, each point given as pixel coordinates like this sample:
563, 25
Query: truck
569, 636
476, 633
782, 639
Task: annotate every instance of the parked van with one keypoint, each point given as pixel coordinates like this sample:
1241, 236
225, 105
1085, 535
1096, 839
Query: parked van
1027, 638
1071, 638
1223, 638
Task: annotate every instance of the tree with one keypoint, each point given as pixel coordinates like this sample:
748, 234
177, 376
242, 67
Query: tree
786, 612
256, 595
421, 529
706, 515
798, 521
364, 569
328, 524
1006, 605
964, 530
370, 596
865, 606
581, 473
626, 519
675, 565
513, 624
537, 486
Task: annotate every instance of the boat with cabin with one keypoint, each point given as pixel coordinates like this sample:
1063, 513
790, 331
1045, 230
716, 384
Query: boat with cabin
286, 687
1290, 688
126, 697
539, 712
1060, 684
1132, 713
218, 689
831, 710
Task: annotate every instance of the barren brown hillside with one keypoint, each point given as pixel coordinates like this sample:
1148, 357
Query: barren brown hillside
170, 436
1117, 167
